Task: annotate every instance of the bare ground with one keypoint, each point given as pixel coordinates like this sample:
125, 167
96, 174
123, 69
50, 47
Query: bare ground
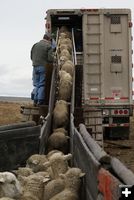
123, 149
10, 113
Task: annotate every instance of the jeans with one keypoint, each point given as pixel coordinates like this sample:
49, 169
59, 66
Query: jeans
39, 77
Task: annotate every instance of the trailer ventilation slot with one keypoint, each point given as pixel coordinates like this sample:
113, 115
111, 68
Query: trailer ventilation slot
115, 19
115, 59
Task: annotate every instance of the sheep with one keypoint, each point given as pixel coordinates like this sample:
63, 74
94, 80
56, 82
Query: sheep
66, 41
65, 46
65, 85
59, 163
62, 60
65, 34
66, 53
59, 141
34, 186
53, 187
72, 184
64, 76
63, 29
68, 67
24, 171
60, 114
9, 185
62, 35
61, 130
35, 162
53, 152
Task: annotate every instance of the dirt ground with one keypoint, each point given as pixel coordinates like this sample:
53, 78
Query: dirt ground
10, 113
121, 149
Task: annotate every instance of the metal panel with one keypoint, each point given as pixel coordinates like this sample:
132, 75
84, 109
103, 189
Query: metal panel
116, 45
106, 34
85, 160
17, 144
92, 62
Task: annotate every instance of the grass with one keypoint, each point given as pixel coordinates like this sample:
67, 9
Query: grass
10, 113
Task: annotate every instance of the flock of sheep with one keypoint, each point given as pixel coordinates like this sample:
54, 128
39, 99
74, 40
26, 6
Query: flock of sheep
45, 177
49, 177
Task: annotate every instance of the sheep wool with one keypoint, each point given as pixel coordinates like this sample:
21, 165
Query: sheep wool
61, 130
59, 164
62, 60
53, 152
65, 46
66, 53
9, 185
53, 187
68, 67
34, 186
60, 114
72, 180
35, 162
59, 141
24, 171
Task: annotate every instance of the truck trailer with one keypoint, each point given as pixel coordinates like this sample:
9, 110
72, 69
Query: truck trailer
103, 82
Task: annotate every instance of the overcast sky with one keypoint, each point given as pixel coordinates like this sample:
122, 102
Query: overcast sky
21, 25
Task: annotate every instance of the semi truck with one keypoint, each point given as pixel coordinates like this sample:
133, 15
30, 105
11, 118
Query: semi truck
103, 82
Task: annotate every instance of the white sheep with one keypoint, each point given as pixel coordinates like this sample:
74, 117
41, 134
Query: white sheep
53, 187
65, 86
72, 185
35, 162
59, 164
68, 67
66, 41
63, 29
59, 141
34, 186
61, 130
60, 114
9, 185
66, 53
23, 171
64, 76
65, 46
53, 152
62, 60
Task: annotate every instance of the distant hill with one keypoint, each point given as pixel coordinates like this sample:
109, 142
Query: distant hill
15, 99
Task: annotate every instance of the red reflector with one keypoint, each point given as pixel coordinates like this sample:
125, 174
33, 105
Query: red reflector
130, 24
115, 112
125, 112
120, 112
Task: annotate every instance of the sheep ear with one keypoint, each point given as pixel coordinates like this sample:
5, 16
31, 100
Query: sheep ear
2, 180
35, 162
81, 175
62, 176
46, 164
68, 156
68, 137
46, 179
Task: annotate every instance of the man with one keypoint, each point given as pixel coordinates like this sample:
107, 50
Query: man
41, 56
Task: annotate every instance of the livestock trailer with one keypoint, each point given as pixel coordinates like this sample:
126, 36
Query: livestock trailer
103, 82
